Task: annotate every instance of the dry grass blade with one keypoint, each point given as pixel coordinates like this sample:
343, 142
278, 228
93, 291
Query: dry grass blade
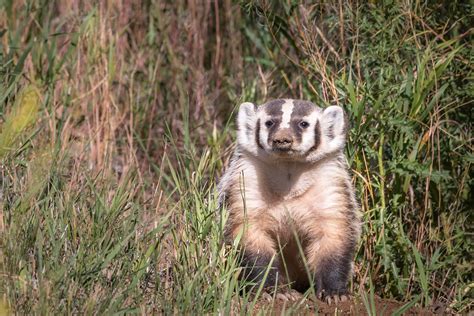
109, 161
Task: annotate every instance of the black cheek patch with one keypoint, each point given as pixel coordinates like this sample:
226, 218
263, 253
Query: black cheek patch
257, 134
297, 130
317, 137
272, 130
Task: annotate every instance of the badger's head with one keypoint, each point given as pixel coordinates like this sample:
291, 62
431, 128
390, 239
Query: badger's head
294, 130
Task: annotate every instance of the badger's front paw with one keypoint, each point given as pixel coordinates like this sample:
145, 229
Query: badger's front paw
284, 295
290, 295
330, 297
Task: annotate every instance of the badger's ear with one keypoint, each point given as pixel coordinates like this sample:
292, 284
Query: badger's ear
246, 121
334, 123
334, 128
247, 113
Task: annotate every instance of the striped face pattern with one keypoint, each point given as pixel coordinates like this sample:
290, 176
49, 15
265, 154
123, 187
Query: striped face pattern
289, 129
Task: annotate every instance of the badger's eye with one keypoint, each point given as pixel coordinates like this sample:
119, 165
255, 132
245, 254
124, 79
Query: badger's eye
269, 123
304, 124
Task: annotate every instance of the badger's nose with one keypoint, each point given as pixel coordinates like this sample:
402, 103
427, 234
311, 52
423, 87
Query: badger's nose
282, 143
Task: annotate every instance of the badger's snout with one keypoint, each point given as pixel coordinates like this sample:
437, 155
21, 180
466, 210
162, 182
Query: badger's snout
282, 140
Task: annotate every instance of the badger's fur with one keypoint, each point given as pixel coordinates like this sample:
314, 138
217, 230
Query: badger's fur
288, 192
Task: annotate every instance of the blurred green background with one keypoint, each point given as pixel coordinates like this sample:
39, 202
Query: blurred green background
116, 120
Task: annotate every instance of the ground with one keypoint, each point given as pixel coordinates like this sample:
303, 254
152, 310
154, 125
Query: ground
352, 307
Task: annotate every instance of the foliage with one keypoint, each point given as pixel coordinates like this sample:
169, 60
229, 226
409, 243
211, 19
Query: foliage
116, 120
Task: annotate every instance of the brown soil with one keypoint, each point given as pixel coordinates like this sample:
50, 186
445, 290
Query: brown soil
351, 307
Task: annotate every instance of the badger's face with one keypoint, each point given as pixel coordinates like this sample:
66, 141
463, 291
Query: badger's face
287, 129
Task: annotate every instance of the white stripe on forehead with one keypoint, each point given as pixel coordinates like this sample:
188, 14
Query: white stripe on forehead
287, 109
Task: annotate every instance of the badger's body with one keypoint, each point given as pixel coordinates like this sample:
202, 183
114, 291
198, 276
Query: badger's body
289, 193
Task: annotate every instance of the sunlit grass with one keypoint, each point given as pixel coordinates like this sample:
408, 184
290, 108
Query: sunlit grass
109, 161
22, 115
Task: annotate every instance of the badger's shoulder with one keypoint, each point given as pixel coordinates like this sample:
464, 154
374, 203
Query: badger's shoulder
227, 179
239, 180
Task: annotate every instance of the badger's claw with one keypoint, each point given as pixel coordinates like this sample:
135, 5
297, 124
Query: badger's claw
285, 296
336, 298
330, 298
266, 296
345, 297
290, 295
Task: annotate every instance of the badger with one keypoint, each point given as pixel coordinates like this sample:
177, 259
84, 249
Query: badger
289, 198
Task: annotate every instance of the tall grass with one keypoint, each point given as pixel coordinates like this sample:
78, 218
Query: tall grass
107, 197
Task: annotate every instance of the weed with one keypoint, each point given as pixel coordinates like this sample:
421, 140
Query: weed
116, 119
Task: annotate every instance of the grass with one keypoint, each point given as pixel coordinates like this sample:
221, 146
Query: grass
116, 122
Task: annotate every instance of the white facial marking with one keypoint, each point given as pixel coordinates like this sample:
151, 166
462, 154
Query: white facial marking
287, 109
263, 132
307, 140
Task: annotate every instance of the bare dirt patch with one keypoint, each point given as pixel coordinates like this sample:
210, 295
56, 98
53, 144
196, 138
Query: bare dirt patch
351, 307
